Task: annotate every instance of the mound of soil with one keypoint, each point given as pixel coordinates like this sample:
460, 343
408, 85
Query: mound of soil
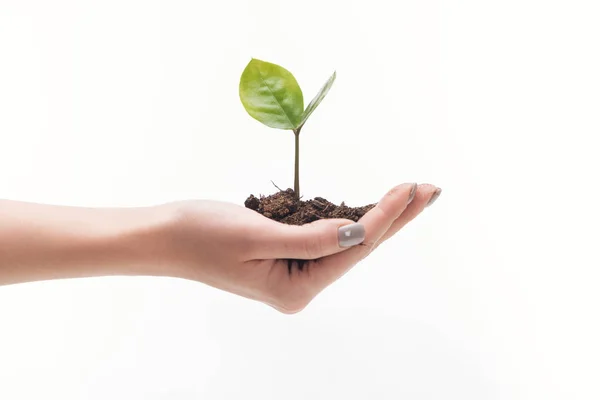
285, 208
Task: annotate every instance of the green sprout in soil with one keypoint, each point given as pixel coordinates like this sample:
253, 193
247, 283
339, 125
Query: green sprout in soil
272, 96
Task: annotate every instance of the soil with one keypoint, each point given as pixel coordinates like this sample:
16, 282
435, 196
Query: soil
283, 207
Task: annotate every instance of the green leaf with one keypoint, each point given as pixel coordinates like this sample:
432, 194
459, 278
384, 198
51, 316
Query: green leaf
271, 95
312, 106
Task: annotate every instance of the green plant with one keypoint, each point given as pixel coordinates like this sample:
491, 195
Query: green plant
271, 95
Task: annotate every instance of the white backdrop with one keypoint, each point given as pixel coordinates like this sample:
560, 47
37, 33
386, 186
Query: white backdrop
491, 294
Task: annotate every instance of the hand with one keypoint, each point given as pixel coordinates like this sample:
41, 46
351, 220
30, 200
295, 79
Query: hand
238, 250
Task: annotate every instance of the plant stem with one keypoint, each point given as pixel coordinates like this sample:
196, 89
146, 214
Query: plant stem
297, 165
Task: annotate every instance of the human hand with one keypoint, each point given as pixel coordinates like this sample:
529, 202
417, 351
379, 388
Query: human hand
238, 250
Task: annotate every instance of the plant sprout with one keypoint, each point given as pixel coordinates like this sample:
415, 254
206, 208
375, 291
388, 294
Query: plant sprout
272, 96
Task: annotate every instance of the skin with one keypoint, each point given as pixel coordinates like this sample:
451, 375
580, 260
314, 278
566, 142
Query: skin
222, 245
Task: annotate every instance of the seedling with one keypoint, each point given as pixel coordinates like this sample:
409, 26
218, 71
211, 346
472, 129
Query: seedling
271, 95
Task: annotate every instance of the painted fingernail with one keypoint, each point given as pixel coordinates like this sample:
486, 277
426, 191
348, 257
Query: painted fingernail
434, 197
351, 235
413, 192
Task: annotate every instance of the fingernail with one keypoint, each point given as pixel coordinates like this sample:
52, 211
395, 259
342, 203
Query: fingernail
413, 192
351, 235
434, 197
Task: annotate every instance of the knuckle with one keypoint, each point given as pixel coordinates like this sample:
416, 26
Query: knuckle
394, 191
292, 300
292, 305
380, 210
290, 311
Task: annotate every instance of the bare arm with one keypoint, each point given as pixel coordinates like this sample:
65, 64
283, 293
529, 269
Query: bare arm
41, 242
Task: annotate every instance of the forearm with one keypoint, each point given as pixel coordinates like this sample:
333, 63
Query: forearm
42, 242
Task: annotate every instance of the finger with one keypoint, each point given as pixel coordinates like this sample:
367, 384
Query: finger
377, 222
310, 241
426, 195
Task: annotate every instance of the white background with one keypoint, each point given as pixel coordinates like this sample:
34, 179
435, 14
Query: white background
491, 294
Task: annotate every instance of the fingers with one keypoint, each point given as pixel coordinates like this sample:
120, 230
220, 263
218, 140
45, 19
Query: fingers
425, 196
390, 207
377, 222
311, 241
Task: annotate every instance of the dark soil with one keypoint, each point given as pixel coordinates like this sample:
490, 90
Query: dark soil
283, 207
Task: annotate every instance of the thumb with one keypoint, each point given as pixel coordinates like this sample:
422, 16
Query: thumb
311, 241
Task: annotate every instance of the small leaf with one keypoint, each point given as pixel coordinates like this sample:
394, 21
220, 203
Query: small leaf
271, 95
312, 106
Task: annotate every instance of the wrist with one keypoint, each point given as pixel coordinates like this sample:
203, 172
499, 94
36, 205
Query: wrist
135, 241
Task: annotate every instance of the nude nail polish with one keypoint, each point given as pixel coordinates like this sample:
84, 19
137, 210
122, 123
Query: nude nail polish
413, 192
434, 197
351, 235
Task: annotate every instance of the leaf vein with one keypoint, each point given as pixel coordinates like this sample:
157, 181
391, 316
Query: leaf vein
275, 97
